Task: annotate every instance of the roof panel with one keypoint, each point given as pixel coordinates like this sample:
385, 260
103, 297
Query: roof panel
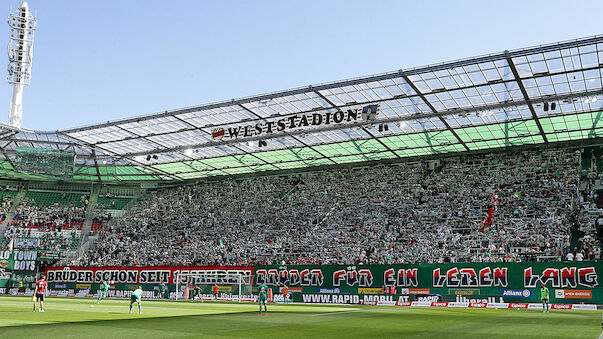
154, 126
181, 138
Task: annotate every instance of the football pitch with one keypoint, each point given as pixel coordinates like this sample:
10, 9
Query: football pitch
83, 318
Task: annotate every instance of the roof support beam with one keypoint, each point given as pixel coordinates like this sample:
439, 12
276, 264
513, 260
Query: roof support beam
96, 166
47, 142
312, 148
8, 134
259, 117
592, 133
183, 121
380, 142
6, 155
525, 94
363, 128
295, 138
433, 110
134, 162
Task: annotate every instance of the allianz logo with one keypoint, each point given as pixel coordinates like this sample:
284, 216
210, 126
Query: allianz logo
517, 293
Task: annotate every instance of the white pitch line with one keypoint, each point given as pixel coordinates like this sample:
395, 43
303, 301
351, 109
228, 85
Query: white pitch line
340, 312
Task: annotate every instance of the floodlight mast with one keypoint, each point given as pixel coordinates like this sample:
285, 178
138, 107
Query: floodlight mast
20, 56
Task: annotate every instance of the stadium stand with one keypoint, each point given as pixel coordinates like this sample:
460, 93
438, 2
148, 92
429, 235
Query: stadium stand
507, 206
51, 209
52, 219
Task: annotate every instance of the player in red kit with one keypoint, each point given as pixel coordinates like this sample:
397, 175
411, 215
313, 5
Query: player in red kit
216, 292
39, 293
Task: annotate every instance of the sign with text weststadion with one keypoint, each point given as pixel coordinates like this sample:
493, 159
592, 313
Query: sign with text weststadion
295, 121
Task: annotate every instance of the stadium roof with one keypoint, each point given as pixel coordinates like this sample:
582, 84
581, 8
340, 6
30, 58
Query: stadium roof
536, 95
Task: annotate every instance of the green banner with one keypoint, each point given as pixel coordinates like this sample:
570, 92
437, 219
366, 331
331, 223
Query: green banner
17, 265
568, 282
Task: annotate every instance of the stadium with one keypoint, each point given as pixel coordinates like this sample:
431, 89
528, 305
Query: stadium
458, 199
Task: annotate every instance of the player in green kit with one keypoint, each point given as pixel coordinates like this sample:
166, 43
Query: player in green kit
544, 296
103, 291
196, 293
136, 298
263, 298
162, 290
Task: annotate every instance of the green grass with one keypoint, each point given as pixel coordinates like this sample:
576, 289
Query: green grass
83, 318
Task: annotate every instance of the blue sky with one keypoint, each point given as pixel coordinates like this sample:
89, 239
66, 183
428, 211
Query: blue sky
96, 61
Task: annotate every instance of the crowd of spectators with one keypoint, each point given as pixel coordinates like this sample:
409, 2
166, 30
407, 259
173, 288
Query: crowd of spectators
54, 227
31, 214
44, 238
591, 219
510, 206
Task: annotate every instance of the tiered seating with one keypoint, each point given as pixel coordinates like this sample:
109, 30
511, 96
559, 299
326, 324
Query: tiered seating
492, 207
586, 239
64, 210
45, 198
53, 219
106, 208
50, 239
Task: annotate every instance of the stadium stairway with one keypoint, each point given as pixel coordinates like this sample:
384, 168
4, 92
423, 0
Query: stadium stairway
88, 223
84, 241
11, 214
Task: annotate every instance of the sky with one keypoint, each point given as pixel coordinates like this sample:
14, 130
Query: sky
96, 61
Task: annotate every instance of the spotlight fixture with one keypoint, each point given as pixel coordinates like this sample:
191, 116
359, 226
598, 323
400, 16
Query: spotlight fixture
149, 157
155, 157
262, 143
383, 127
